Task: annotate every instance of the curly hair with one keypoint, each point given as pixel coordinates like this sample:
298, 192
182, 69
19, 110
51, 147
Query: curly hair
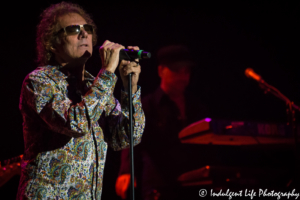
48, 26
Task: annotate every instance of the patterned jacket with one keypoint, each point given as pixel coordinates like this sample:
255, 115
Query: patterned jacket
66, 134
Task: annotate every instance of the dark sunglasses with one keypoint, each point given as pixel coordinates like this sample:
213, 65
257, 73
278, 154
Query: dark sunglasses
75, 29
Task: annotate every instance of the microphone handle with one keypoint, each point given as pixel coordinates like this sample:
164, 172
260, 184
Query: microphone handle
130, 54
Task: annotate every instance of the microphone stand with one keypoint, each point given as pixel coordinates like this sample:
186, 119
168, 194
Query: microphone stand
126, 56
291, 118
131, 138
131, 55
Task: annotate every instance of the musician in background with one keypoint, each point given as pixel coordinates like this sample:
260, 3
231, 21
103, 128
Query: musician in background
159, 157
70, 117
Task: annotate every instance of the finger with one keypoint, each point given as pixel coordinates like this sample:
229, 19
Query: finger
130, 69
106, 42
125, 70
118, 46
136, 48
108, 50
133, 47
136, 70
109, 46
134, 63
122, 66
124, 63
115, 48
106, 47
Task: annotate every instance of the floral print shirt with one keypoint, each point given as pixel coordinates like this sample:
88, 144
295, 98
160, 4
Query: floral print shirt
66, 134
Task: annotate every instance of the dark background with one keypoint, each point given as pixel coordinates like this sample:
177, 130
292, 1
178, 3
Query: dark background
224, 38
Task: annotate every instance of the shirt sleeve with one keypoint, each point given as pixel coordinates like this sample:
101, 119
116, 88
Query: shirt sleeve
49, 100
115, 122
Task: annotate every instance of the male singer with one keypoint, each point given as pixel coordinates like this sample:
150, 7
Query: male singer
70, 116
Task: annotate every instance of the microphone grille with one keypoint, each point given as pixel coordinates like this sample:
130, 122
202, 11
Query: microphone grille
248, 72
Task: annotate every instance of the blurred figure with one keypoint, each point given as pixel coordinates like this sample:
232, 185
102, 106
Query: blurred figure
159, 157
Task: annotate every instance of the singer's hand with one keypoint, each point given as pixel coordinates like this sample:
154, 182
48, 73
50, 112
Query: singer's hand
127, 67
109, 53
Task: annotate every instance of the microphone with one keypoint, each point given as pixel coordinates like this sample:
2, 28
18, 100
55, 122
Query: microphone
130, 54
251, 74
269, 88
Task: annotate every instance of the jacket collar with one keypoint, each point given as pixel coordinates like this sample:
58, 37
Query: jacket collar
58, 75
